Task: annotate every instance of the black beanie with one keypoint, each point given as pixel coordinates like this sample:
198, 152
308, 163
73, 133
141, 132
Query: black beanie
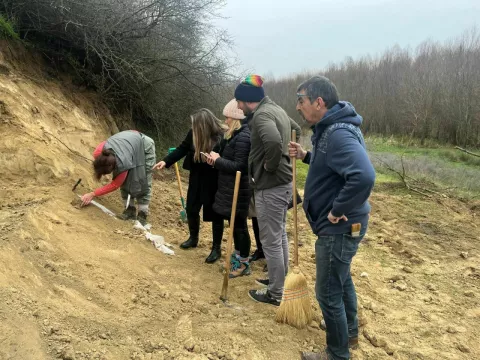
250, 89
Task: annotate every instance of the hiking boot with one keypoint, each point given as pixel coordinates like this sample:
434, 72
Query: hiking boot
263, 296
242, 270
307, 355
257, 255
130, 213
234, 262
194, 229
142, 218
263, 282
352, 341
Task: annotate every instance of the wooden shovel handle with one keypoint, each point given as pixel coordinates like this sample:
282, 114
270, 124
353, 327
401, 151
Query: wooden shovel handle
294, 197
223, 296
177, 172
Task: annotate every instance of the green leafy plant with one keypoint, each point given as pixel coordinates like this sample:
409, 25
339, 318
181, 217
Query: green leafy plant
7, 30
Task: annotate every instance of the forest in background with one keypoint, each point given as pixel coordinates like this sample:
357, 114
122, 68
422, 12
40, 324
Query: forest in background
431, 93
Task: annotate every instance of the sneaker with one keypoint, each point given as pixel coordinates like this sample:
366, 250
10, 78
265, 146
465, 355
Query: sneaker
263, 296
234, 262
240, 271
263, 282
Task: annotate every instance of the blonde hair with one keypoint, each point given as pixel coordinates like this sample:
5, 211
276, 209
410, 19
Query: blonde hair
206, 130
235, 124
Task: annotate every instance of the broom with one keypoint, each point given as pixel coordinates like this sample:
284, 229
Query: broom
295, 308
224, 295
183, 213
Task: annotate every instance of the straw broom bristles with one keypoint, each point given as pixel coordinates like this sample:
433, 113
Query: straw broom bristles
295, 308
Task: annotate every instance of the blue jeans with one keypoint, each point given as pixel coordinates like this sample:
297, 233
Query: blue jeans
335, 290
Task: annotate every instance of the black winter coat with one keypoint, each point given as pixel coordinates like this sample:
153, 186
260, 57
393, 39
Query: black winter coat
202, 182
234, 157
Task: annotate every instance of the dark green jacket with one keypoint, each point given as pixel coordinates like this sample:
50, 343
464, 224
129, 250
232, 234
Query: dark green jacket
268, 163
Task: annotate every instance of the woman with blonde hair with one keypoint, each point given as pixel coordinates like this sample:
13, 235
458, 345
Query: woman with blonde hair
205, 136
233, 157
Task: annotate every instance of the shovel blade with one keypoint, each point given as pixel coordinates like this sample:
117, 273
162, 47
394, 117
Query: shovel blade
183, 215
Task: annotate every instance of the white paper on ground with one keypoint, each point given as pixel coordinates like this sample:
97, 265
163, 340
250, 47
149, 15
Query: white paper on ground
157, 240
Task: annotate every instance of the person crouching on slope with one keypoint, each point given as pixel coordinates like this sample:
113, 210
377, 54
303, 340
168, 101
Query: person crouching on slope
130, 156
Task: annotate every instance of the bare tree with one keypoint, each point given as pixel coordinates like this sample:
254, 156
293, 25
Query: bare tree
432, 93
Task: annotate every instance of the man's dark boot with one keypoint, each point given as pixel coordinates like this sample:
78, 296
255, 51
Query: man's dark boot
257, 255
217, 232
142, 217
129, 213
194, 229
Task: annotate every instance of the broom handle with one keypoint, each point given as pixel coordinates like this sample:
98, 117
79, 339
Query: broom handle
223, 296
178, 180
294, 194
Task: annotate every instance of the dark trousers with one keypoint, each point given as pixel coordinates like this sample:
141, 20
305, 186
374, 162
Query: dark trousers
241, 237
335, 290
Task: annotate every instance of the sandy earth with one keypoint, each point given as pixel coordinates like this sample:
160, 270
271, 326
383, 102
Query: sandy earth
77, 284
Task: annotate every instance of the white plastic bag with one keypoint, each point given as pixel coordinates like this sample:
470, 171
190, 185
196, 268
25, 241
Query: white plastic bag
157, 240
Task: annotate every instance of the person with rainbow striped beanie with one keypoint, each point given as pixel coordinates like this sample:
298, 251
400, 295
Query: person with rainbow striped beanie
270, 176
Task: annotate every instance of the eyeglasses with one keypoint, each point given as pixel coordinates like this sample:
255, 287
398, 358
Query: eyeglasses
299, 97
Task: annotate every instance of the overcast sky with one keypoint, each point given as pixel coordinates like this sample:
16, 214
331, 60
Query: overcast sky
281, 37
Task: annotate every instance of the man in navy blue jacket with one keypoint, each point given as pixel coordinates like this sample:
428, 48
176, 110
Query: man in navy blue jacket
339, 182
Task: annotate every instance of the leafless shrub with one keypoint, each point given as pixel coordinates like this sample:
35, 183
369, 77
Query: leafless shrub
154, 59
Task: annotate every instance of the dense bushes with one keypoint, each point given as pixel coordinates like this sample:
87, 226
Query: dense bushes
157, 60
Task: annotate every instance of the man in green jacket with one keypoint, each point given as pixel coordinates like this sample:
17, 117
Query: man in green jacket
270, 174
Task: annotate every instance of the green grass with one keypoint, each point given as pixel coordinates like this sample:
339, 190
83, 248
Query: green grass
302, 171
398, 146
6, 29
449, 169
446, 169
383, 176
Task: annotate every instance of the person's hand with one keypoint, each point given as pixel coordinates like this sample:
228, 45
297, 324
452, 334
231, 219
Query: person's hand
210, 161
295, 150
334, 219
212, 158
214, 155
160, 165
87, 198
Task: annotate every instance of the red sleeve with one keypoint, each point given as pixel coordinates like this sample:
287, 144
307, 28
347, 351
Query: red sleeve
98, 150
114, 185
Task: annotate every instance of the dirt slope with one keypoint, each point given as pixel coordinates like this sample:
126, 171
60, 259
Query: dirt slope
77, 284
